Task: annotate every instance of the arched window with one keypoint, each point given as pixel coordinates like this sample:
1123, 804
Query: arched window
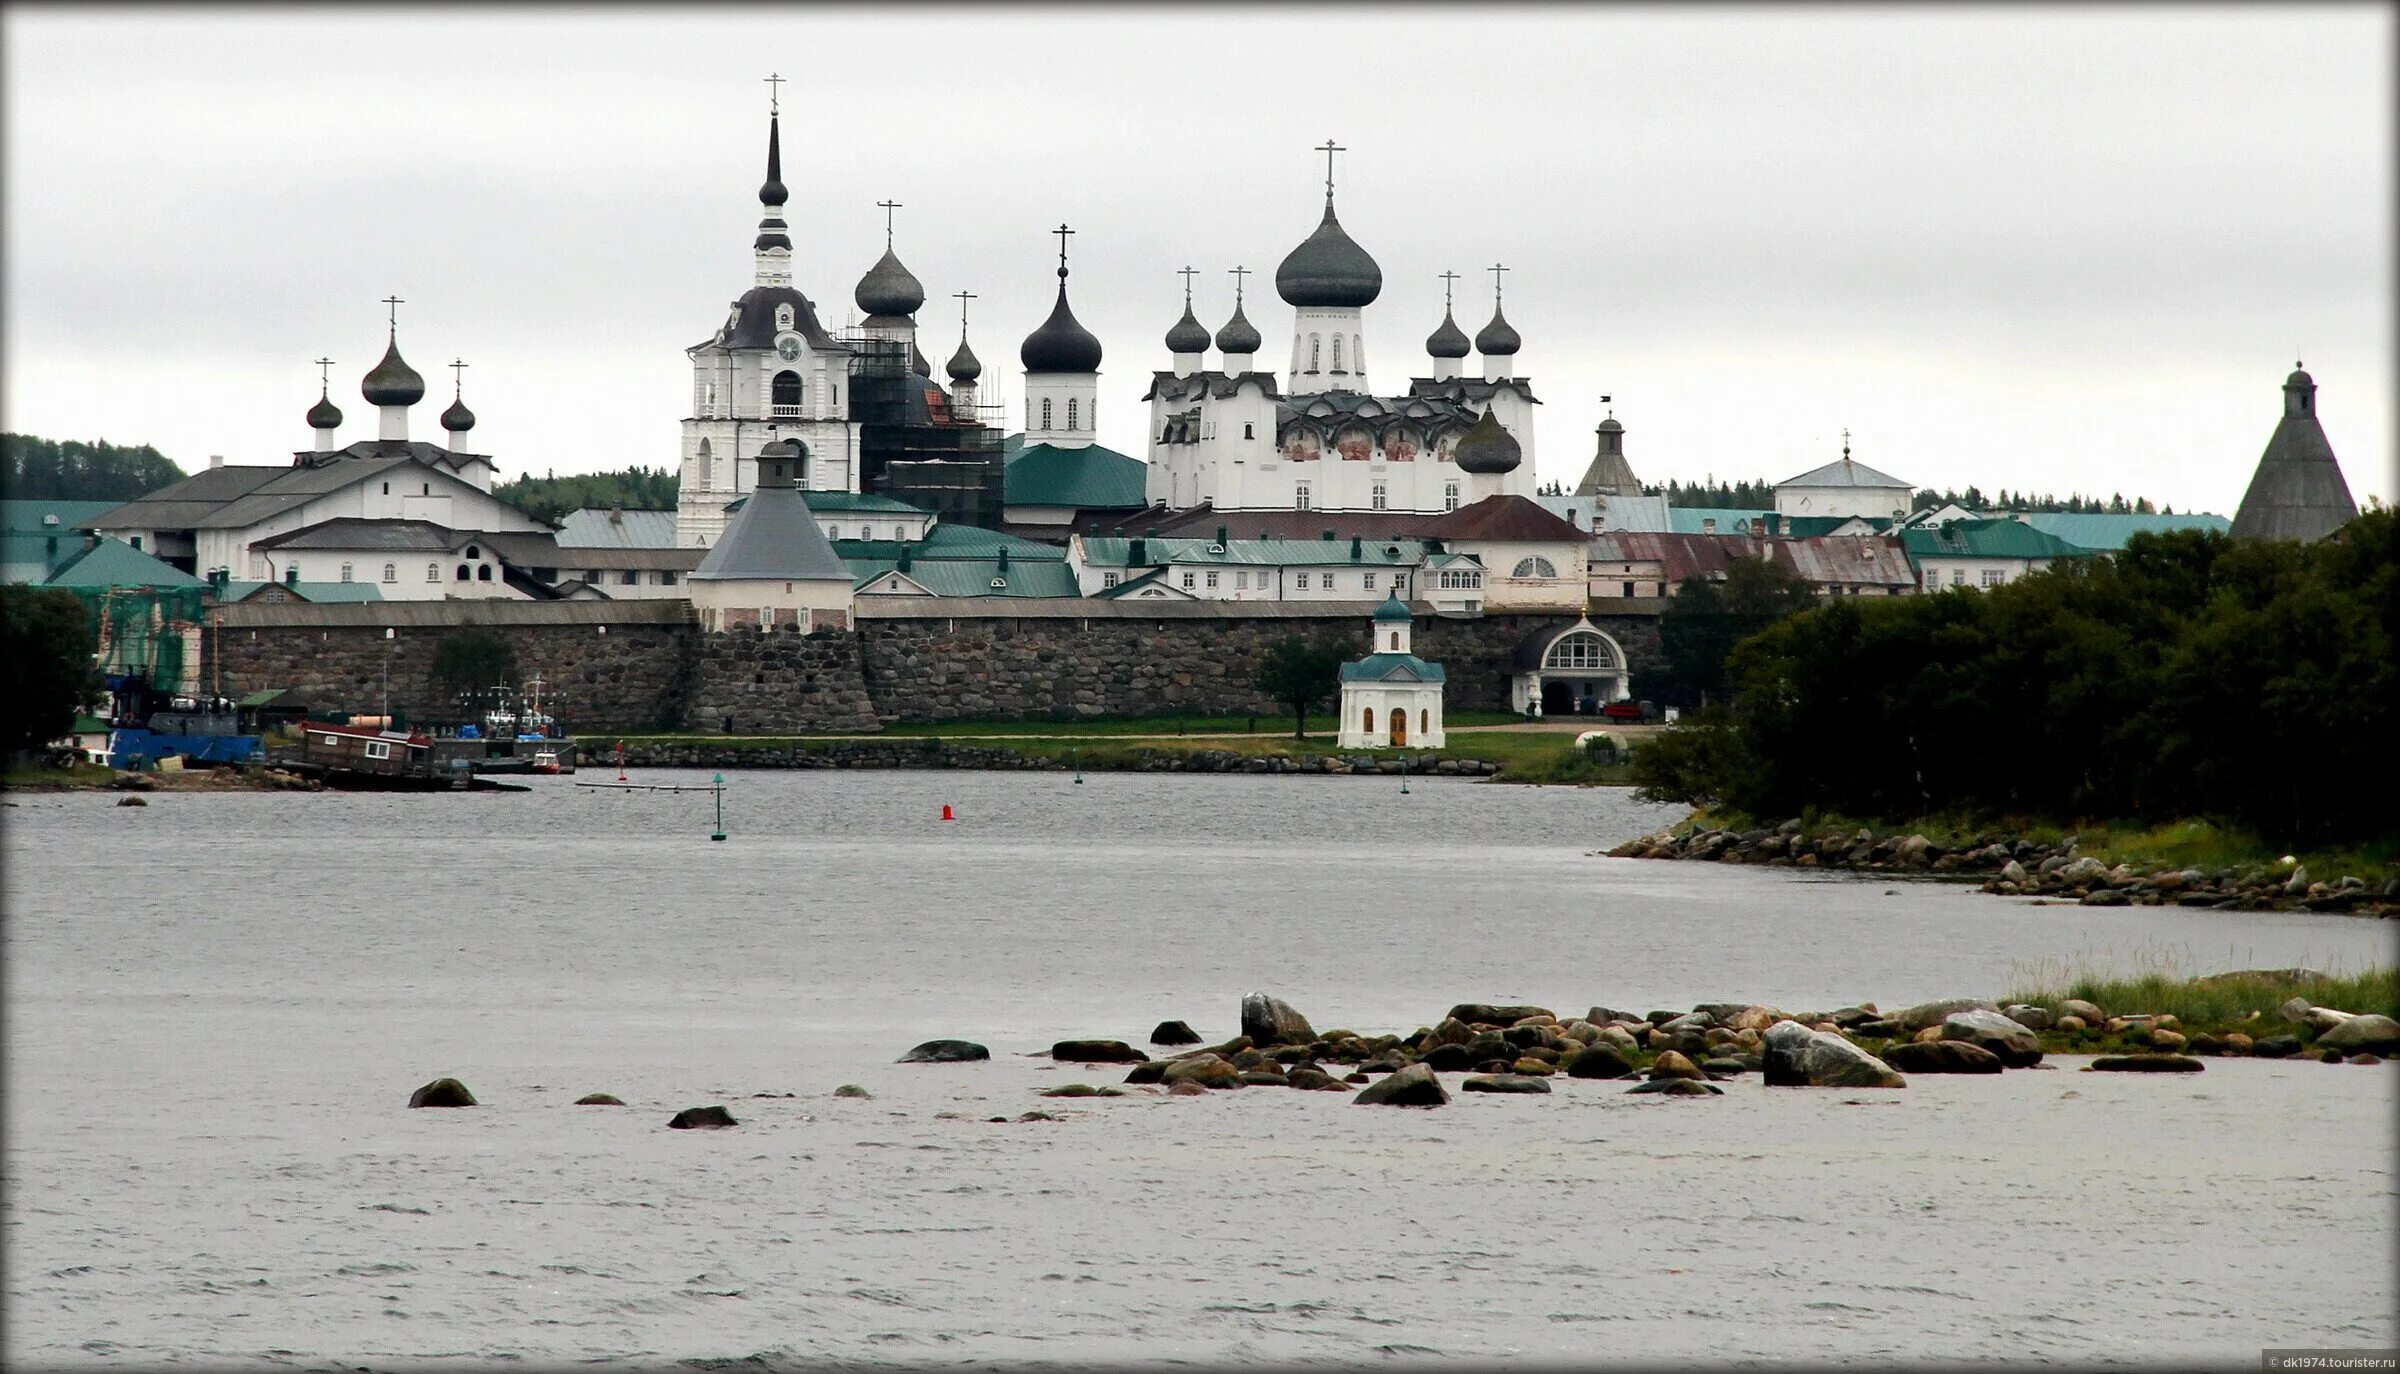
1071, 412
1582, 649
1369, 723
345, 572
473, 552
1249, 431
703, 465
391, 572
1424, 722
1316, 350
1534, 567
1045, 412
433, 572
1450, 496
1337, 352
710, 409
463, 573
1395, 641
483, 572
786, 393
1358, 355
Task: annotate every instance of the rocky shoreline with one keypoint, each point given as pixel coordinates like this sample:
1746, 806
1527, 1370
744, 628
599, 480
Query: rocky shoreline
2021, 867
935, 753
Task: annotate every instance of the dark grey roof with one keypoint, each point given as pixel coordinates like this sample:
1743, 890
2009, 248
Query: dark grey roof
324, 414
1447, 341
774, 536
771, 192
1465, 389
393, 382
1610, 474
2297, 491
889, 288
1499, 338
1061, 344
1187, 335
1168, 386
401, 536
964, 365
753, 324
1328, 269
458, 419
1489, 447
231, 497
916, 361
771, 233
1239, 335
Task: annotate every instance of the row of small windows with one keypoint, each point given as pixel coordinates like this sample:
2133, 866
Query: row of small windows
1074, 413
1316, 352
1424, 719
480, 572
1193, 581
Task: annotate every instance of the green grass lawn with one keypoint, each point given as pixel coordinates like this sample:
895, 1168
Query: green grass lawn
2211, 1002
37, 777
1103, 726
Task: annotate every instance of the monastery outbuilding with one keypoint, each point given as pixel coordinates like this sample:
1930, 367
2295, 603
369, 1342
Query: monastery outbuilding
1392, 699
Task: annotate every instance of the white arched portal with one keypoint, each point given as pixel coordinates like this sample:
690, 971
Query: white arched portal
1577, 670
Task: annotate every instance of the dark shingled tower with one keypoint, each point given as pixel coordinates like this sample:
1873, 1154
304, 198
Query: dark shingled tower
2298, 491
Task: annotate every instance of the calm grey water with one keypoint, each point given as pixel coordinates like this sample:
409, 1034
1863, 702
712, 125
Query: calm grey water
218, 1005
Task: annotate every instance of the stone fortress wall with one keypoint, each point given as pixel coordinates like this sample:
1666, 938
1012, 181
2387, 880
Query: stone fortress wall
646, 666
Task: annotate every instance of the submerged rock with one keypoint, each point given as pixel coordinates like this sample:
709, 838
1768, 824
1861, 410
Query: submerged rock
1795, 1056
702, 1119
1599, 1060
946, 1052
1314, 1080
1174, 1033
1674, 1065
1273, 1021
1677, 1087
1942, 1056
1186, 1090
442, 1092
1503, 1083
1413, 1086
1208, 1072
852, 1090
599, 1100
2146, 1063
1489, 1014
1450, 1059
1096, 1052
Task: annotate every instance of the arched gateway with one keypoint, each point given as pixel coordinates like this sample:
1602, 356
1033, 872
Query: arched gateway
1576, 670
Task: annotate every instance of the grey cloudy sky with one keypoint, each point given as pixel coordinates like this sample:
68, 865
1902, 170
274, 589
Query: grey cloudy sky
2048, 249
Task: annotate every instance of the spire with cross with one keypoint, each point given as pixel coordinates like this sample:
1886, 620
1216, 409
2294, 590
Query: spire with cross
887, 206
1062, 231
1845, 444
324, 377
1329, 148
457, 380
962, 298
1447, 279
1187, 273
1237, 273
1496, 269
395, 303
774, 93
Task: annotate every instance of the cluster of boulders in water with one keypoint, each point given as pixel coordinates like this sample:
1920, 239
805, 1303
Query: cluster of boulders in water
1520, 1049
2021, 867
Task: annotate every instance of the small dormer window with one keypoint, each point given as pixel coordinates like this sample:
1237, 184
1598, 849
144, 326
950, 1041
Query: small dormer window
783, 317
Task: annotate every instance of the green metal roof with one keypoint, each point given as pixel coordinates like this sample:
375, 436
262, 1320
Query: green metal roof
953, 541
1156, 577
321, 592
1986, 539
2108, 533
973, 576
115, 563
1089, 478
1815, 526
1113, 551
1687, 519
1393, 668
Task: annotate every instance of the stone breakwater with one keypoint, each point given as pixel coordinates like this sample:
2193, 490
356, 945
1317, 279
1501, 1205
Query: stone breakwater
2020, 867
943, 754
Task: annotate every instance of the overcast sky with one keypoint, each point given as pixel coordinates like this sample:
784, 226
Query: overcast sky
2046, 249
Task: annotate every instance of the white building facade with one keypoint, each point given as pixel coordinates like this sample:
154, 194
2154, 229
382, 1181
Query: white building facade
1392, 699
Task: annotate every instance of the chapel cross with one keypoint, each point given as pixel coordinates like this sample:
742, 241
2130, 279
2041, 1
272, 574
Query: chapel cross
1238, 273
395, 303
887, 206
774, 93
456, 379
1062, 231
1187, 274
323, 380
1496, 269
1447, 278
963, 297
1329, 148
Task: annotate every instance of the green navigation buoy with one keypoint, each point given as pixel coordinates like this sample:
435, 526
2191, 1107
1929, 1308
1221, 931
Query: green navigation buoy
720, 792
1077, 759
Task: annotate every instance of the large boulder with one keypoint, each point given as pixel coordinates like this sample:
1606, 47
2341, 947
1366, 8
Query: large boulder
1489, 1014
1925, 1014
1449, 1059
1792, 1055
1598, 1061
702, 1119
1208, 1072
2090, 1014
1272, 1021
442, 1092
2365, 1034
946, 1052
1413, 1086
1310, 1079
1451, 1031
1096, 1052
1174, 1033
1673, 1064
1941, 1056
2016, 1045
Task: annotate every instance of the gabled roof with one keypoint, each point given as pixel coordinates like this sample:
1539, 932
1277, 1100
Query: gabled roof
1986, 539
1110, 551
971, 577
852, 502
1844, 472
1091, 477
1393, 668
115, 563
1166, 386
593, 528
351, 532
1729, 520
323, 593
954, 541
1513, 518
775, 537
233, 497
1151, 584
29, 548
2108, 533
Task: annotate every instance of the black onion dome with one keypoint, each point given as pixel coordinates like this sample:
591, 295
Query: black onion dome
1449, 341
1610, 426
393, 382
1499, 338
1061, 344
458, 419
888, 288
964, 365
1328, 269
1239, 335
771, 191
2299, 378
1488, 447
916, 361
1187, 336
324, 414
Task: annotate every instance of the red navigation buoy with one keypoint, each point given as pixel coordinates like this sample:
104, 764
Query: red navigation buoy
946, 812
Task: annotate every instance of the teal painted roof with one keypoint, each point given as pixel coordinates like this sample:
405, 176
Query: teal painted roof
115, 563
1112, 551
322, 592
1156, 577
1393, 611
26, 550
972, 576
1393, 668
1090, 478
2108, 533
954, 541
1986, 539
1687, 519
